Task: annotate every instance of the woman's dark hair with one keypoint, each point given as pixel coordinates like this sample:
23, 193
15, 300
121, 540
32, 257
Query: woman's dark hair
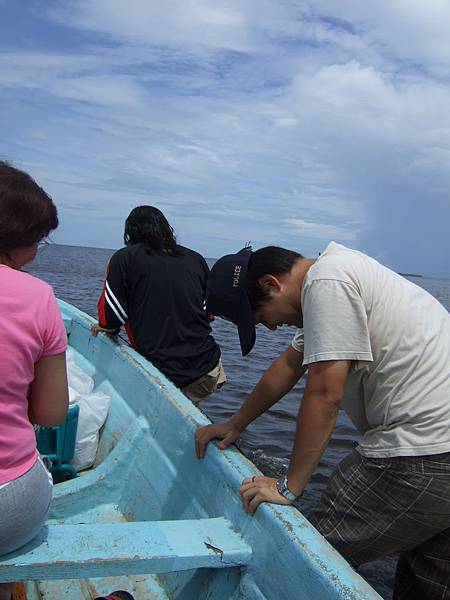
27, 213
271, 260
147, 225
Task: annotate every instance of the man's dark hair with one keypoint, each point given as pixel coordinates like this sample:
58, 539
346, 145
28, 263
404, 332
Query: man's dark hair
27, 213
271, 260
147, 225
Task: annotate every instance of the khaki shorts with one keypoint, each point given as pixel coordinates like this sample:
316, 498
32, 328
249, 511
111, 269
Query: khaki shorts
206, 385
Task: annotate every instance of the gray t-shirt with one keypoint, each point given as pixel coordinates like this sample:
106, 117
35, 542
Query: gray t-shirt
398, 339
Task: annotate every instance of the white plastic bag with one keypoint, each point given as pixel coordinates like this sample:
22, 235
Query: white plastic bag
79, 381
93, 412
73, 396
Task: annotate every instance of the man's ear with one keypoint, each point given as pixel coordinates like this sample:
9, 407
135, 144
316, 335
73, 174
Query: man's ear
269, 283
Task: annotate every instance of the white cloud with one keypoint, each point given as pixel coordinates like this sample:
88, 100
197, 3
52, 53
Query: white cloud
242, 119
322, 231
406, 30
194, 23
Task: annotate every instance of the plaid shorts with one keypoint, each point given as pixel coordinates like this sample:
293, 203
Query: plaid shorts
375, 507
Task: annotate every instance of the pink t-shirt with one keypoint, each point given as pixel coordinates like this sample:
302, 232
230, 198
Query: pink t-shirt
30, 327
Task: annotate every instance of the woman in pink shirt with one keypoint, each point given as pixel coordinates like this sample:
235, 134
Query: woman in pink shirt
33, 380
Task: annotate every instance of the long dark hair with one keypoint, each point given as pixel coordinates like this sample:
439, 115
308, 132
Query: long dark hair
27, 213
147, 225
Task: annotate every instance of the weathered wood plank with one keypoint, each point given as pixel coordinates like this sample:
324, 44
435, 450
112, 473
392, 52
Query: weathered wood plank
97, 550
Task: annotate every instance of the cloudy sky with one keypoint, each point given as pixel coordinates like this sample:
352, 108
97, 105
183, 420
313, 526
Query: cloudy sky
276, 121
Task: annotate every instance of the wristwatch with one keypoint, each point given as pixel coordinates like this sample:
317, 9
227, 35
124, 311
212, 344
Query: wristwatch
283, 489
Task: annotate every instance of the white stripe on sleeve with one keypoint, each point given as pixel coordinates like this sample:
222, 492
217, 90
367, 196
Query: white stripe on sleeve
113, 308
117, 303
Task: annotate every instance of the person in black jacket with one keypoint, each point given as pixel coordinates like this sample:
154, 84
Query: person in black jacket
156, 289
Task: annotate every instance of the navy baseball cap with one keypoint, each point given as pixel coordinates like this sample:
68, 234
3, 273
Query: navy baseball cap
226, 295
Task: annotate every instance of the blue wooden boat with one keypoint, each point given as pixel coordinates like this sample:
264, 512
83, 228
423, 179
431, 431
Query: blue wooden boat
153, 520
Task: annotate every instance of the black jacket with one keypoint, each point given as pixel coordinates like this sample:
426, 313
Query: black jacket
161, 302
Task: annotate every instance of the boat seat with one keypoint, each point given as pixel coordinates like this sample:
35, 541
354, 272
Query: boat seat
88, 550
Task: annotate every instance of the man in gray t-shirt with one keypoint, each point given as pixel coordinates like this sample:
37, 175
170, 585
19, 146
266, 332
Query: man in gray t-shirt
378, 346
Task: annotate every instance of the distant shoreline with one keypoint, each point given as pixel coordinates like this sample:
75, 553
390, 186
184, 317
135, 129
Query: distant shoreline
410, 275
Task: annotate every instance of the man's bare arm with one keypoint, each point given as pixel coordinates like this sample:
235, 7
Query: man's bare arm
317, 417
276, 382
316, 420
